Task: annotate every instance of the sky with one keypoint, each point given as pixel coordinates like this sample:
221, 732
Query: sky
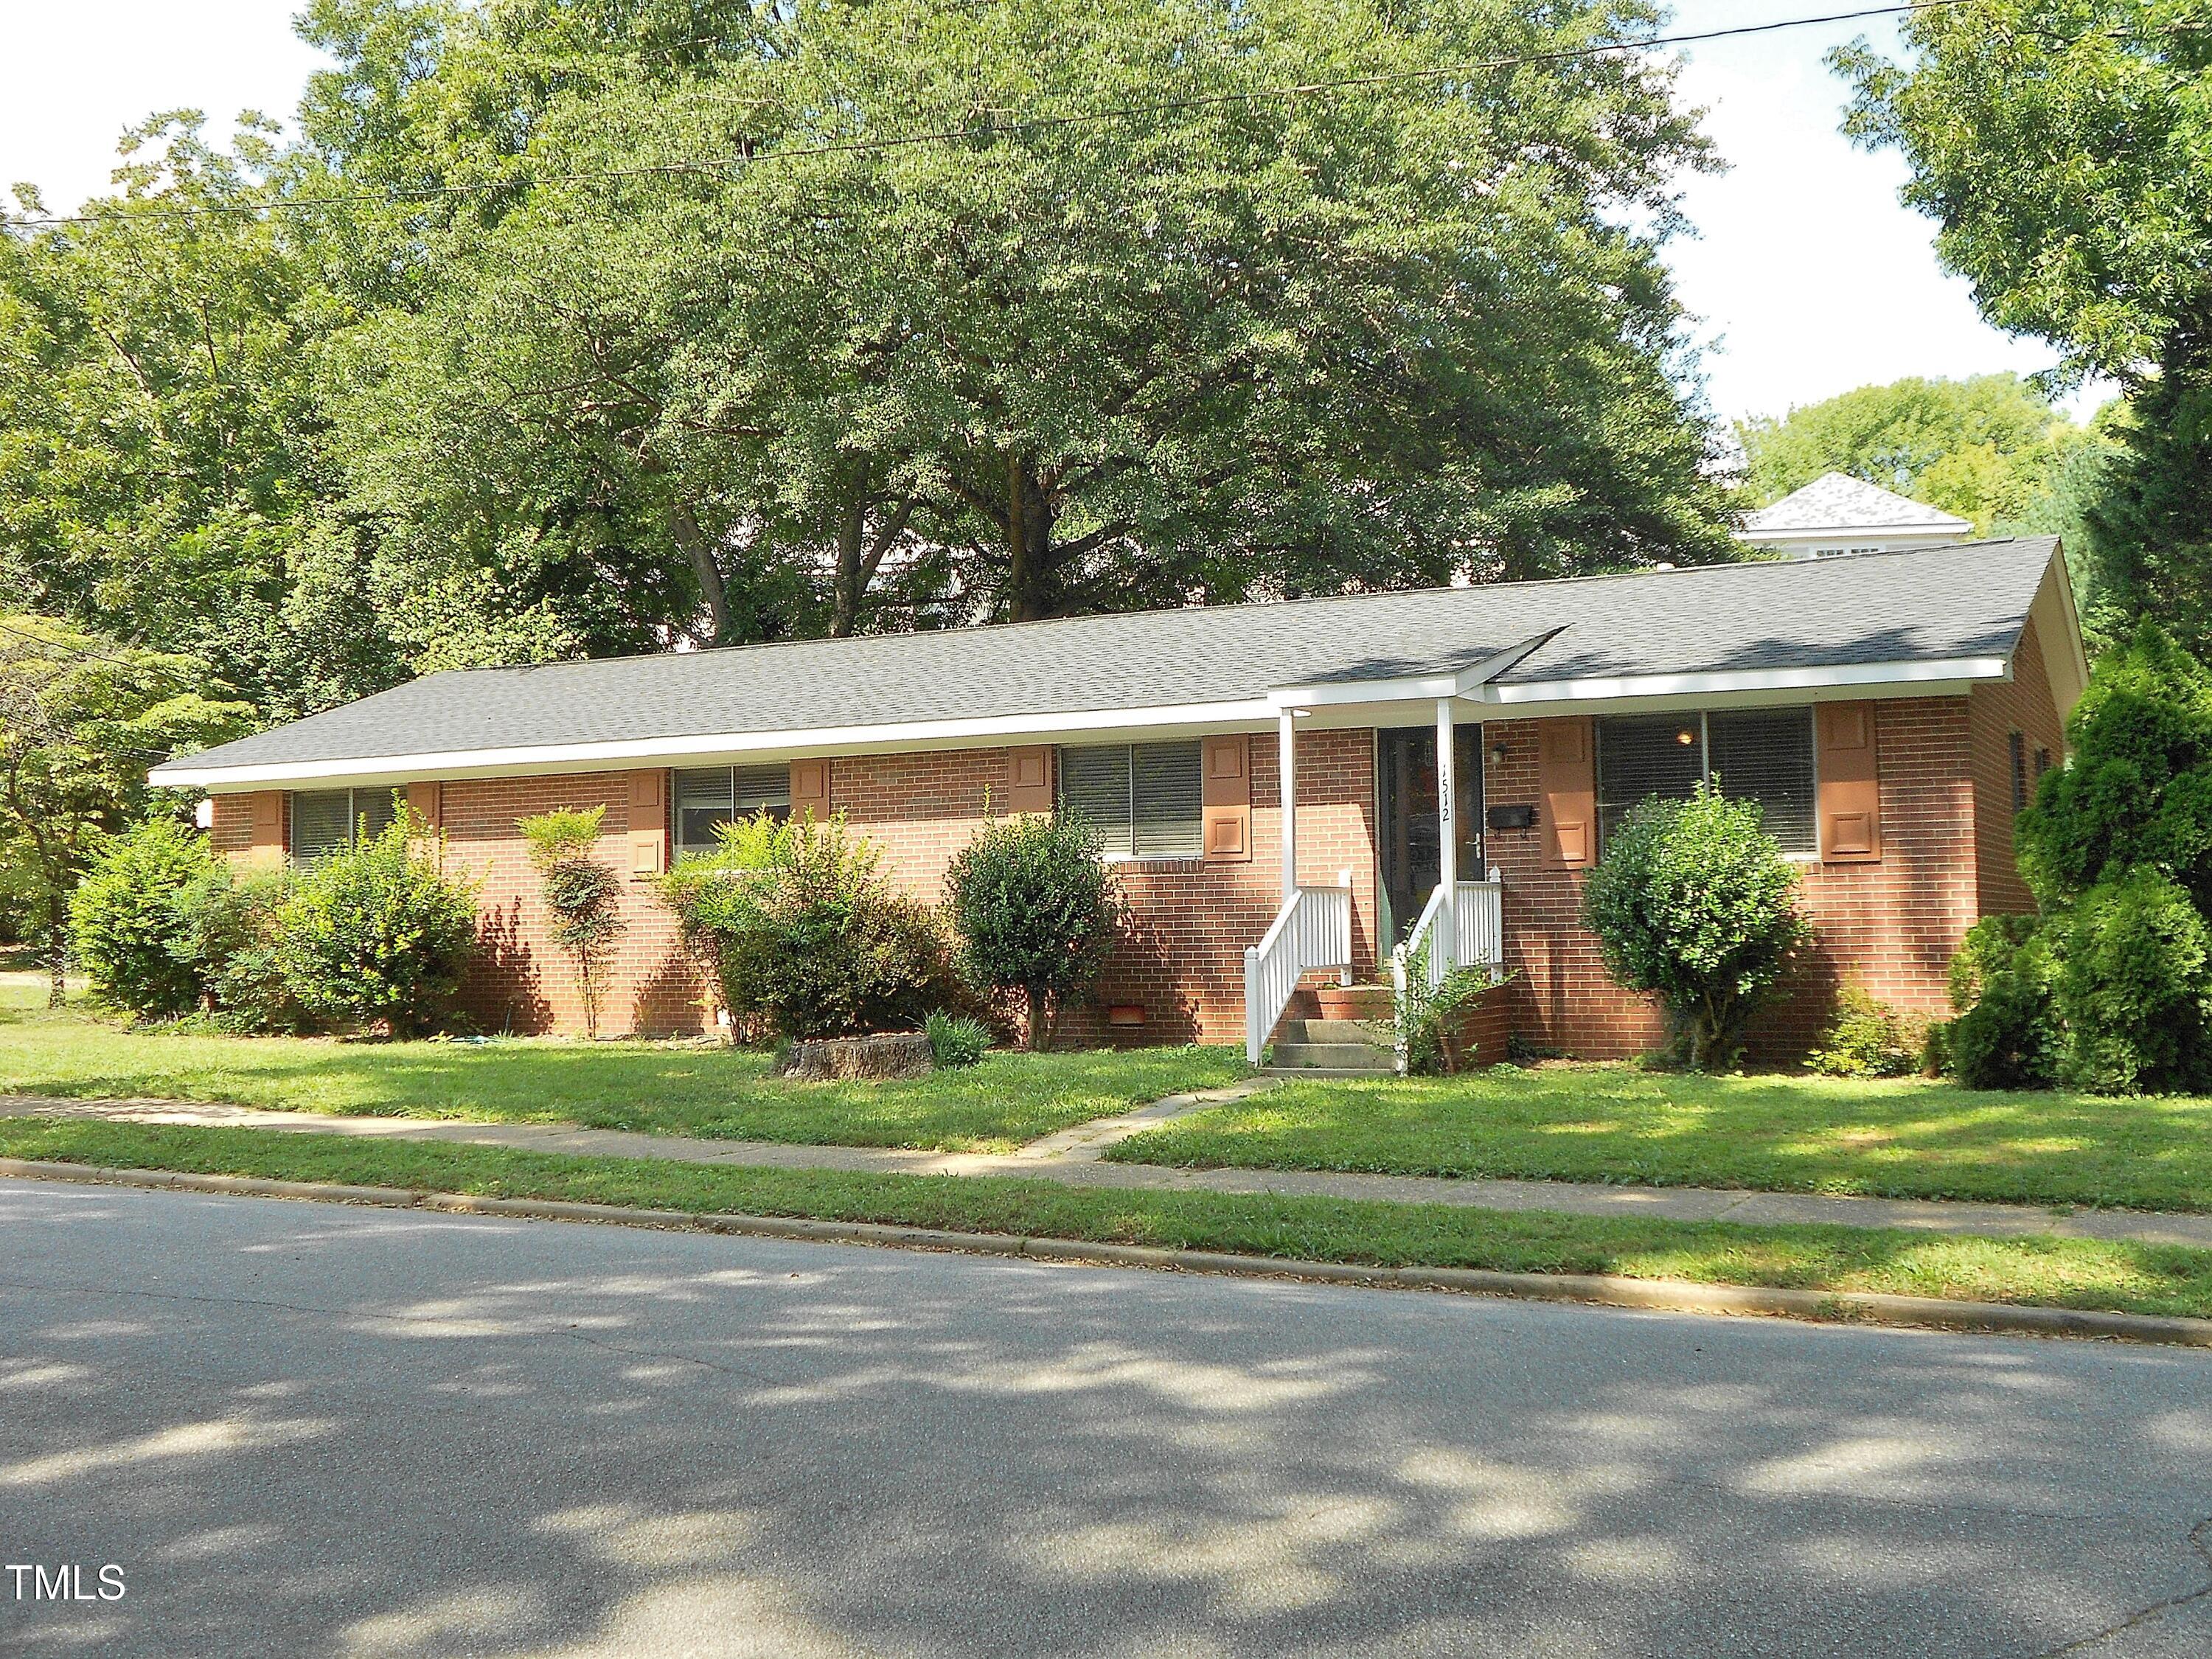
1807, 276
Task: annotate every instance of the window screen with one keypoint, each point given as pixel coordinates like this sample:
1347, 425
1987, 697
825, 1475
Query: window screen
1765, 755
1646, 754
708, 795
2019, 771
1144, 799
326, 821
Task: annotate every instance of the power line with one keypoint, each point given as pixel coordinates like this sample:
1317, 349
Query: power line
979, 129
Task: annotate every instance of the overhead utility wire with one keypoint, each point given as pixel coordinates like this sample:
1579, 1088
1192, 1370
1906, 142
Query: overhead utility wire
981, 130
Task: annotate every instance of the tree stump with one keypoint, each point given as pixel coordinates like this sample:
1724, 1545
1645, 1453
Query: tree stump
826, 1059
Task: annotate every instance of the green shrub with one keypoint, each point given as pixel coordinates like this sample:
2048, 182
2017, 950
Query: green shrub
581, 892
1692, 903
1035, 910
956, 1039
377, 934
2002, 984
806, 938
225, 928
2137, 792
1425, 1015
2134, 989
125, 922
1869, 1038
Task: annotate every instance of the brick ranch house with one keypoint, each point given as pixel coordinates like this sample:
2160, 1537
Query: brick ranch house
1267, 775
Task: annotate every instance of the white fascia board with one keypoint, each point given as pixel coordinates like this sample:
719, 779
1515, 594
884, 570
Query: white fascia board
714, 749
1617, 688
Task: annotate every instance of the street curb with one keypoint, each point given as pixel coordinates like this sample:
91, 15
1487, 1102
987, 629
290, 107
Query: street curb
1599, 1289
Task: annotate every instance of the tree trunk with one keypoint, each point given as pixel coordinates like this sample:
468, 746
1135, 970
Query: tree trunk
845, 594
57, 950
1029, 585
1040, 1034
692, 541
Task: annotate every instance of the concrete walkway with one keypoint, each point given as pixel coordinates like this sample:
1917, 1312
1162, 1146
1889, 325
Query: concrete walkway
1073, 1157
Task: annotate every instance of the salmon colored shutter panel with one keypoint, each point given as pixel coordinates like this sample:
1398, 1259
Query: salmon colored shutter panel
427, 801
648, 824
265, 836
1028, 781
1566, 781
1227, 800
1844, 759
810, 790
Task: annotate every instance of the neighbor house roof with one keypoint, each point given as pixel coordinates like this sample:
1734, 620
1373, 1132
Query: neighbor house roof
1952, 613
1836, 501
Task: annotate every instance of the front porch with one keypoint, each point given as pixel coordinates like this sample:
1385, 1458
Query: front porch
1432, 917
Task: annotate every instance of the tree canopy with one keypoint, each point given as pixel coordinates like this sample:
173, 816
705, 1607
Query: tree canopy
2062, 146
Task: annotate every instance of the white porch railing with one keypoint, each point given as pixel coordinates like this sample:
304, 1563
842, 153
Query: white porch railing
1313, 930
1476, 939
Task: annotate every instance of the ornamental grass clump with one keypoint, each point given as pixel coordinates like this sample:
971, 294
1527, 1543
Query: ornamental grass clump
582, 895
1693, 903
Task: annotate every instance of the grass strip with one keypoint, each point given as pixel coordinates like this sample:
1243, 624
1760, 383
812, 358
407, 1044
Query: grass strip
1621, 1125
2064, 1273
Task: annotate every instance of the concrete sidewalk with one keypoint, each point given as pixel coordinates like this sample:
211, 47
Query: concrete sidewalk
1073, 1157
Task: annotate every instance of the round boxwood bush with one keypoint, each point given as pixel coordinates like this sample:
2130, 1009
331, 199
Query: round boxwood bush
2003, 983
1036, 912
1693, 904
2134, 989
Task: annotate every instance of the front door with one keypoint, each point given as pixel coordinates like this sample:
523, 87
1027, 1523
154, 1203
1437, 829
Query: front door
1412, 865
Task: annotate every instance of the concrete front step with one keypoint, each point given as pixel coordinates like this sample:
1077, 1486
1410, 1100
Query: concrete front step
1333, 1057
1372, 1032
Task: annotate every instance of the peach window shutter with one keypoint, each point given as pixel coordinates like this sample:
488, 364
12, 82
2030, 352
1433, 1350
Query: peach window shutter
648, 824
810, 790
1227, 798
427, 801
1028, 781
1847, 764
266, 844
1566, 782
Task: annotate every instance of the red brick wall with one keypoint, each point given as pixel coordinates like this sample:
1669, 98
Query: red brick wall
1890, 925
1994, 712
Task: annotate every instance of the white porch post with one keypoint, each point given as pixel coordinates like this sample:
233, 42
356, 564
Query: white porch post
1287, 776
1447, 835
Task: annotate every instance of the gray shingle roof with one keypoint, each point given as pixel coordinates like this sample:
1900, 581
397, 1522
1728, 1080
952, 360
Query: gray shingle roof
1971, 599
1836, 501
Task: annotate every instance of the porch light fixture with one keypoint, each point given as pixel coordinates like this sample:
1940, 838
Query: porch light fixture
1686, 736
1498, 754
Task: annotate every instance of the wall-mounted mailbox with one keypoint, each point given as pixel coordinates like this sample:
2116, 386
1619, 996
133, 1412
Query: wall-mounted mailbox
1512, 818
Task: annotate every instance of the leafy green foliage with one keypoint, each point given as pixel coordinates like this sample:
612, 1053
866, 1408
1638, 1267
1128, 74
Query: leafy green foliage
2138, 789
1989, 448
581, 893
2135, 988
2063, 149
956, 1039
1692, 903
1868, 1038
124, 917
1425, 1015
377, 934
1035, 910
226, 926
804, 934
81, 719
2003, 982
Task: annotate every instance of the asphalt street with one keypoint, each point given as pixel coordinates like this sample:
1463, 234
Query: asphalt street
301, 1429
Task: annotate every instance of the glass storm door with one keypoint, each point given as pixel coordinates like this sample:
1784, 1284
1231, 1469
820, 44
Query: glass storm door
1406, 762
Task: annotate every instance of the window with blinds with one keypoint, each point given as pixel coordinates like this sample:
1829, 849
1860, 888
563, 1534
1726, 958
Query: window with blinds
1764, 755
708, 795
327, 821
1146, 799
1641, 756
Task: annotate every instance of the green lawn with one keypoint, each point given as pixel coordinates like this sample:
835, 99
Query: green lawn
664, 1087
2050, 1272
1617, 1124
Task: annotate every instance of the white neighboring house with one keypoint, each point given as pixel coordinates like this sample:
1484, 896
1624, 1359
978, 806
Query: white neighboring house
1837, 513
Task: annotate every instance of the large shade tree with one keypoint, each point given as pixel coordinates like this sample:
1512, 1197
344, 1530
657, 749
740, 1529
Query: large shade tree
874, 323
